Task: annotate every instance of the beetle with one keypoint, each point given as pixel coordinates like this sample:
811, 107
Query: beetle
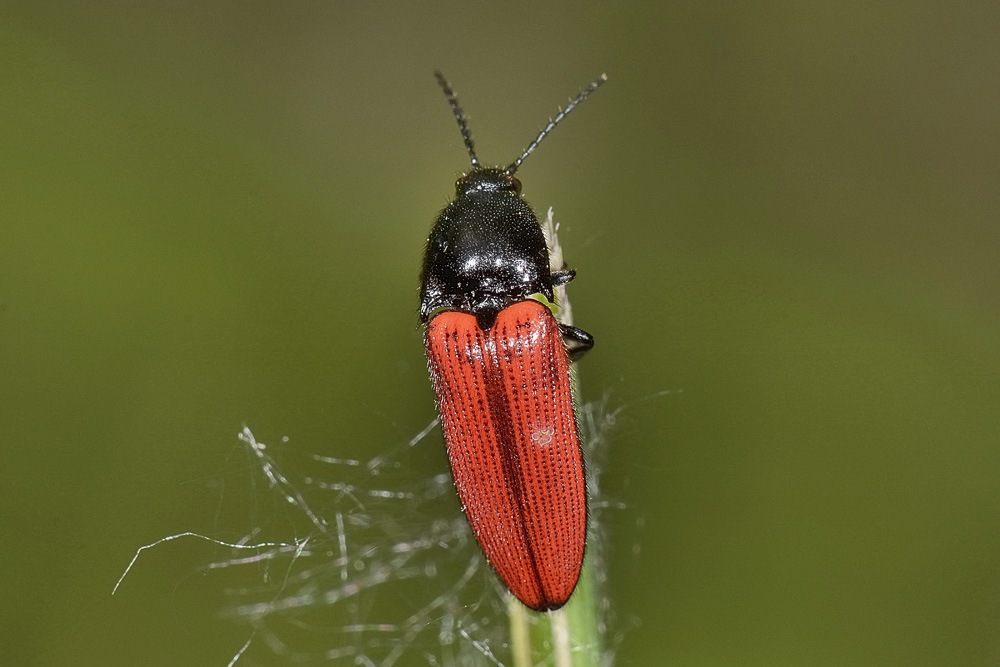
500, 366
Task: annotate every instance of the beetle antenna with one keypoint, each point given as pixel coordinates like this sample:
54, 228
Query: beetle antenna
555, 121
459, 116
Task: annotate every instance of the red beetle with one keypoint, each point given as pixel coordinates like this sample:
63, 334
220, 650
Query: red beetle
499, 363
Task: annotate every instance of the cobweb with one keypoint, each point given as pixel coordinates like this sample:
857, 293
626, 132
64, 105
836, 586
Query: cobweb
389, 573
362, 562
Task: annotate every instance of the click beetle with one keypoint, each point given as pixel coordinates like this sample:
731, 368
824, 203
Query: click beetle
500, 366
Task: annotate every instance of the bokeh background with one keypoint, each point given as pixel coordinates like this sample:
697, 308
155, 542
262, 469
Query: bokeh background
785, 222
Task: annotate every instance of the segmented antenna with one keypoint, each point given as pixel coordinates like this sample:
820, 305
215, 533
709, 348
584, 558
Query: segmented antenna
460, 117
548, 128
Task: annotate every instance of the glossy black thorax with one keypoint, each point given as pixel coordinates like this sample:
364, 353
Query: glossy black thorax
486, 250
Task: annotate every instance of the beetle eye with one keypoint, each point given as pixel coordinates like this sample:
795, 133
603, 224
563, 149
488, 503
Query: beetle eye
516, 184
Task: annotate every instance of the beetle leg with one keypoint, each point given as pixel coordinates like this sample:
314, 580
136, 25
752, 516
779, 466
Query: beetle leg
562, 277
577, 341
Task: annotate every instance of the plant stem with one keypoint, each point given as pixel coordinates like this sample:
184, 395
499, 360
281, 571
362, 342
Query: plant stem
570, 636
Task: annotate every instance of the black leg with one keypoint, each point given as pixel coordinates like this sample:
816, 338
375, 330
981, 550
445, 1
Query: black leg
562, 277
577, 341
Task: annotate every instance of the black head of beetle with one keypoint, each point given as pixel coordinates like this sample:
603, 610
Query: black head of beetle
487, 250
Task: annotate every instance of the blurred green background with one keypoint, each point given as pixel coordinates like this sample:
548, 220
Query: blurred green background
785, 222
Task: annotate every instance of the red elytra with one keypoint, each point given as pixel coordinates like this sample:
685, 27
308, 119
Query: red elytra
506, 404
